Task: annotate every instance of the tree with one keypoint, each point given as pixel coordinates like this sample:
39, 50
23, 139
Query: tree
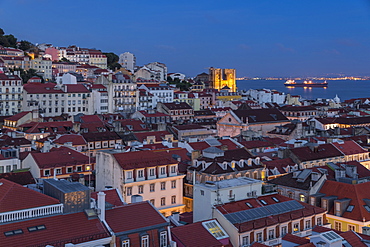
112, 60
64, 60
11, 40
27, 74
25, 45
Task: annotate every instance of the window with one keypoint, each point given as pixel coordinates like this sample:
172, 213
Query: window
284, 230
163, 170
163, 185
173, 199
129, 191
202, 192
58, 171
319, 221
1, 169
259, 237
245, 240
351, 228
152, 201
173, 169
69, 169
47, 172
79, 168
151, 172
302, 198
129, 175
141, 189
9, 168
152, 187
271, 234
308, 224
296, 227
163, 239
173, 184
140, 173
163, 201
338, 226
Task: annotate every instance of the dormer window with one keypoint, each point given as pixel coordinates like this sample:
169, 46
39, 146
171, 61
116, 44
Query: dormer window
140, 173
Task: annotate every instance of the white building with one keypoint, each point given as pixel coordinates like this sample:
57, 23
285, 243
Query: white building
43, 67
66, 78
53, 100
216, 193
10, 94
266, 96
176, 76
122, 92
128, 61
150, 175
160, 68
161, 92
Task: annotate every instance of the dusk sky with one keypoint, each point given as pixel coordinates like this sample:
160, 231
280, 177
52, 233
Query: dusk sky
257, 38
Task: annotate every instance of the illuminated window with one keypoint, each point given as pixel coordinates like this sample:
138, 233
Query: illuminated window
215, 229
296, 227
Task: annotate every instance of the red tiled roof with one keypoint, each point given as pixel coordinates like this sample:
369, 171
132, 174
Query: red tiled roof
111, 196
353, 239
74, 138
47, 127
141, 159
22, 178
159, 135
91, 119
14, 197
137, 125
280, 164
355, 192
295, 239
58, 231
41, 88
200, 236
349, 147
133, 216
157, 114
18, 116
321, 152
60, 157
76, 88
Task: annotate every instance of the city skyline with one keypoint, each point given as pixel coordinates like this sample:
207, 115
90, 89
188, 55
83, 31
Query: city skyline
258, 39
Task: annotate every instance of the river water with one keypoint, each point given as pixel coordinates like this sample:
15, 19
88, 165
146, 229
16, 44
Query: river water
345, 89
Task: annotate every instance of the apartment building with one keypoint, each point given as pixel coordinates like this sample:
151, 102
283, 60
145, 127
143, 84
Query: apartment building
11, 88
150, 175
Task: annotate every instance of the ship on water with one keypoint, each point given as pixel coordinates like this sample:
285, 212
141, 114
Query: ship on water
293, 83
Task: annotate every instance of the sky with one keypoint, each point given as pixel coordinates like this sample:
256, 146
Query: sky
259, 38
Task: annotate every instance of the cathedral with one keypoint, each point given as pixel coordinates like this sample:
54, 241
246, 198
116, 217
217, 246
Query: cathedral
222, 79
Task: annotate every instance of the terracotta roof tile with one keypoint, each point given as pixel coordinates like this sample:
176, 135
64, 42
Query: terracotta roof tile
295, 239
58, 231
200, 236
135, 216
111, 196
73, 138
14, 197
22, 178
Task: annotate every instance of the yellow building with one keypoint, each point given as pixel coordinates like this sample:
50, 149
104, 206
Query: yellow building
347, 205
220, 78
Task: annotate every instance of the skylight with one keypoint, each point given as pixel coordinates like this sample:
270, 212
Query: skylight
263, 202
215, 229
249, 205
275, 199
367, 208
36, 228
14, 232
350, 208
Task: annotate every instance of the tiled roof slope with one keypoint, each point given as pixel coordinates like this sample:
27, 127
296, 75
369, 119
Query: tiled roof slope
356, 192
200, 237
16, 197
59, 230
133, 216
261, 115
322, 152
60, 157
141, 159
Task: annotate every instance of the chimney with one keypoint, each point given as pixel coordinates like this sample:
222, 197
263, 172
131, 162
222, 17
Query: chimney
351, 171
339, 173
366, 230
101, 205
